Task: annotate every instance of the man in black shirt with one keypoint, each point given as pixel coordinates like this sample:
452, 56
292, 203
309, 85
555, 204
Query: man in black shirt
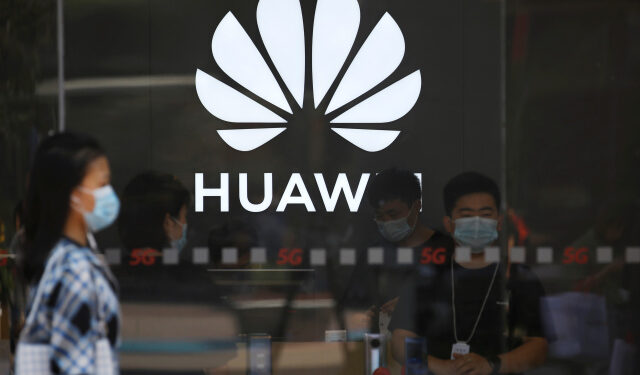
396, 198
395, 195
478, 317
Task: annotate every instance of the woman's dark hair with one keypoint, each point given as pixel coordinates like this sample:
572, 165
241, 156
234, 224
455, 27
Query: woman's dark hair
146, 200
59, 165
469, 183
393, 184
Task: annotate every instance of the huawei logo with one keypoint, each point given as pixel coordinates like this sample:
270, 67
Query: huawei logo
281, 28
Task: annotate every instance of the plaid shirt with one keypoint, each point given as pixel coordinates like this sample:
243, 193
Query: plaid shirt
78, 290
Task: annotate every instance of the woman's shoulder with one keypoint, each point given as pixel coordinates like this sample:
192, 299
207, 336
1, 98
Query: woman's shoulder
73, 257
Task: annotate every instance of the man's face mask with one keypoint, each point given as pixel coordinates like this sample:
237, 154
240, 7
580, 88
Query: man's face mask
475, 232
105, 210
396, 230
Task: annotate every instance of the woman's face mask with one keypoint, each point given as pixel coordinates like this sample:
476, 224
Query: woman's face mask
105, 209
182, 241
475, 232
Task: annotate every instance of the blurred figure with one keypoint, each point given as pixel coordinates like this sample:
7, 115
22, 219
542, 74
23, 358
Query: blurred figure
613, 223
517, 233
73, 318
154, 212
174, 303
602, 292
613, 227
18, 297
18, 215
465, 310
396, 197
18, 218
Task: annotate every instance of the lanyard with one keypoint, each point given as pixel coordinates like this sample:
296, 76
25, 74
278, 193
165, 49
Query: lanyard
453, 304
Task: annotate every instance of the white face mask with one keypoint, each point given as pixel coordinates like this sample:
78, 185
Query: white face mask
476, 232
182, 241
396, 230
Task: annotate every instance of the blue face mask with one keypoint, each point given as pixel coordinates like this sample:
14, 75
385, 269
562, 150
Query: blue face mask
182, 241
105, 210
396, 230
476, 232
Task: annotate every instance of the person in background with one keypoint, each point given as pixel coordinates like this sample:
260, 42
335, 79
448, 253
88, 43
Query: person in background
613, 227
396, 197
154, 212
18, 218
18, 297
18, 215
466, 308
73, 302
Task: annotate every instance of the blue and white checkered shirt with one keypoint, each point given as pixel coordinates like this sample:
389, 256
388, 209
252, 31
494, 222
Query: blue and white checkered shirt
79, 306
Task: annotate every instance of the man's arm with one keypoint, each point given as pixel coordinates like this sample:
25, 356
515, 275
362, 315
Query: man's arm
397, 343
527, 294
436, 365
529, 355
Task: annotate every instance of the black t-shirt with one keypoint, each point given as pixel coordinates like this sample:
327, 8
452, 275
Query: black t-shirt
512, 310
373, 285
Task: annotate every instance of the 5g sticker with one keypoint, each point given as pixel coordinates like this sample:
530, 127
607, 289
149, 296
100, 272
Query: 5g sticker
431, 256
145, 257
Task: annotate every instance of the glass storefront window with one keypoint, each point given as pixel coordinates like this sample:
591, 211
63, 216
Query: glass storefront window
342, 186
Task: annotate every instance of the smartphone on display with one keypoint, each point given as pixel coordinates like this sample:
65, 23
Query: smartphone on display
259, 355
415, 349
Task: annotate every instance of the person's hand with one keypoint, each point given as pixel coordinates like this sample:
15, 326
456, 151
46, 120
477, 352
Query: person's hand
444, 366
472, 364
389, 306
368, 316
371, 312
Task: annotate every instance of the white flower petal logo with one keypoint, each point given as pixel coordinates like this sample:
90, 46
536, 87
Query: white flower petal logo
281, 28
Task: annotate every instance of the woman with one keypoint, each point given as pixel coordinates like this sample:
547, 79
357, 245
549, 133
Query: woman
73, 310
154, 212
